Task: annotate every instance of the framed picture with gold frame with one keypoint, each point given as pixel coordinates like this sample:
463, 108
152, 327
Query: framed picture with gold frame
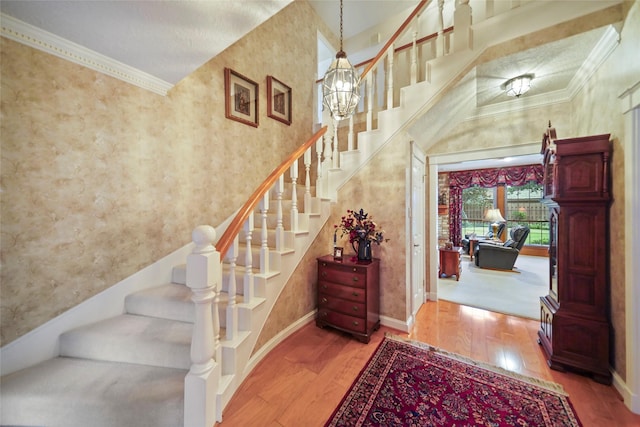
278, 100
241, 98
337, 253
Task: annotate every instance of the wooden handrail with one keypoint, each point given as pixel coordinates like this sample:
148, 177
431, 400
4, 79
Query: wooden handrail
403, 47
236, 224
395, 36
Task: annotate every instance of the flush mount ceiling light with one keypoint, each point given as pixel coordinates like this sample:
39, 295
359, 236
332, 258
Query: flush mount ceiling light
518, 85
341, 84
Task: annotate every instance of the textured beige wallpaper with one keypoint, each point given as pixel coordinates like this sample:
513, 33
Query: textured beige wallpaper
101, 178
597, 110
379, 189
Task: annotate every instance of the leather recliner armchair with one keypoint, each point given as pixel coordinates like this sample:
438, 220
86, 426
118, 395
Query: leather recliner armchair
501, 256
465, 242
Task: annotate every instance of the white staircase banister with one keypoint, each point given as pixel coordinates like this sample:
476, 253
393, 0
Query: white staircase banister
238, 221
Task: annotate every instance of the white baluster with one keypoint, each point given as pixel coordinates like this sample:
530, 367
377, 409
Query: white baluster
201, 383
370, 92
390, 77
307, 181
232, 308
319, 187
440, 39
279, 188
463, 37
414, 58
248, 260
350, 136
294, 195
335, 163
326, 155
264, 248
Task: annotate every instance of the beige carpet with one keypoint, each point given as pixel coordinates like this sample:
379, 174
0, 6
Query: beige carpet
501, 291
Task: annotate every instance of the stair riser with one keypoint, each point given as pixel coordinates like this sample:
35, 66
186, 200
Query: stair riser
127, 339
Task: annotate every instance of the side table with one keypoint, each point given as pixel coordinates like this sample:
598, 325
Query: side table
450, 262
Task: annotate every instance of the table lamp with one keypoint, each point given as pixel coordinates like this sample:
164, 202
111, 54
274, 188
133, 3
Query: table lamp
495, 218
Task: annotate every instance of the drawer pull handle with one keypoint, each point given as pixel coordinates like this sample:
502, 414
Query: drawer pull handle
323, 314
355, 278
324, 274
324, 286
356, 323
355, 269
355, 308
355, 294
323, 301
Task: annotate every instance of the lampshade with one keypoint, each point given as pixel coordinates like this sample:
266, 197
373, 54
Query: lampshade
341, 84
518, 85
494, 216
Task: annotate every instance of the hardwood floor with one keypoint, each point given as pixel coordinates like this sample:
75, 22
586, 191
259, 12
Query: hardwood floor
304, 378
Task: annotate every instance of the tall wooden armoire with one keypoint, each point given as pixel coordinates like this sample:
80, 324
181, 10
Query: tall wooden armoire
574, 316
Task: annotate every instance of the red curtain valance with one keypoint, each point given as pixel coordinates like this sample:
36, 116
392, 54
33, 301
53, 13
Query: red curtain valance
515, 175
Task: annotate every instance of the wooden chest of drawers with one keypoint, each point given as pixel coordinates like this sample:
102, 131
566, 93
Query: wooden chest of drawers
349, 296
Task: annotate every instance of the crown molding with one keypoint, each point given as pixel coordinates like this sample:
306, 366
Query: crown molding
607, 44
36, 38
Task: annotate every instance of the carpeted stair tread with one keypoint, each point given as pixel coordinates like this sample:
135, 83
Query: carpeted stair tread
132, 339
79, 393
171, 301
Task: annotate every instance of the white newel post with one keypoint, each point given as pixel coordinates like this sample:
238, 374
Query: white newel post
201, 383
294, 195
307, 181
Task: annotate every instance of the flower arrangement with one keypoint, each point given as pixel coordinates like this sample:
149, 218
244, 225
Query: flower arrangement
359, 226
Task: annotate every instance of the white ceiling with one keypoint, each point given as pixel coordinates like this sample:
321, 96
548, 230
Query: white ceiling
165, 39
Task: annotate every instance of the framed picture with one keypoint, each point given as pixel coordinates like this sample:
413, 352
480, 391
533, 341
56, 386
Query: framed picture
241, 98
278, 100
337, 253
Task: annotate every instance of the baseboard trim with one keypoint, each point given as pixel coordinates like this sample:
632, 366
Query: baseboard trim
273, 342
396, 324
631, 399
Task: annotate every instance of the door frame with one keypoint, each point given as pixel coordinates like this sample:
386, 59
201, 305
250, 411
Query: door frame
416, 154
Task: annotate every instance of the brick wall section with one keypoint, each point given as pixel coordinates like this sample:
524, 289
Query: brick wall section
443, 217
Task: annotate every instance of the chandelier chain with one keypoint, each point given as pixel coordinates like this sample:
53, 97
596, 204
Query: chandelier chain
341, 25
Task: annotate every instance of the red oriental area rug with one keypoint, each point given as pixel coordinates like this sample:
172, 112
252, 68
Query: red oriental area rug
408, 383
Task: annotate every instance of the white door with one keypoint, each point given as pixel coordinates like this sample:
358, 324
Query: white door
417, 228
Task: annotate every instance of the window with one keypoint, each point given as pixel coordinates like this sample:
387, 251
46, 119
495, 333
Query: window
523, 207
475, 202
521, 204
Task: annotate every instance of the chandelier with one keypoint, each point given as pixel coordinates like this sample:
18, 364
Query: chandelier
341, 84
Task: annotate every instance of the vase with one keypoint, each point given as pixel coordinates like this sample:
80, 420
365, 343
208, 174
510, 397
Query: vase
363, 249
